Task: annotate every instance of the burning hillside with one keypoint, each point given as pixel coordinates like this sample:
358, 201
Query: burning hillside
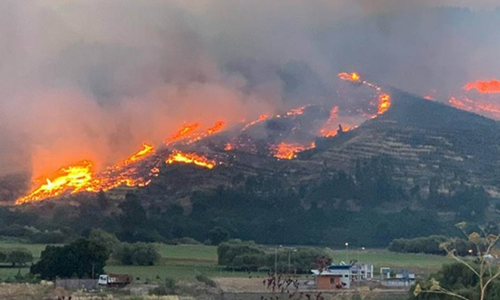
281, 136
480, 97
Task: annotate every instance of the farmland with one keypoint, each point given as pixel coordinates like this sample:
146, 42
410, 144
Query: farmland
185, 261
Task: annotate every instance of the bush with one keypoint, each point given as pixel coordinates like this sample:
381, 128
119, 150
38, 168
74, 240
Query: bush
431, 245
82, 258
108, 240
19, 257
188, 241
48, 237
227, 252
138, 254
206, 280
168, 287
428, 245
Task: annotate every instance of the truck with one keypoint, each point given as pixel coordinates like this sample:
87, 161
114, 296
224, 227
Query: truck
114, 280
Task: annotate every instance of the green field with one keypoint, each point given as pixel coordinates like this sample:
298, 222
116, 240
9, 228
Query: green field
185, 261
35, 249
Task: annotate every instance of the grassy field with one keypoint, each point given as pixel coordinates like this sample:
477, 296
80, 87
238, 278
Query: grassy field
185, 261
35, 249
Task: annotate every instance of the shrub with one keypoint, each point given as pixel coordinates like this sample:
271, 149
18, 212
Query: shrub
206, 280
139, 254
19, 257
188, 241
168, 287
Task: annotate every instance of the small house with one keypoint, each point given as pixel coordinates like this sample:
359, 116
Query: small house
333, 277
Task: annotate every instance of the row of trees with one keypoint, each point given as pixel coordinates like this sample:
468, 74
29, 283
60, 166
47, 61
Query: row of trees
17, 257
86, 257
82, 258
251, 257
432, 245
336, 208
469, 278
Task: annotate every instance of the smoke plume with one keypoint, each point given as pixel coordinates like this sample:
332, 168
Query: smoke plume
94, 79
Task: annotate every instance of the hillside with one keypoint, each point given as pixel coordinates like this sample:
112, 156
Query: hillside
423, 139
421, 165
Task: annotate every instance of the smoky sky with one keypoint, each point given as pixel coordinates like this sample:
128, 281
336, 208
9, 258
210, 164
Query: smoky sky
94, 79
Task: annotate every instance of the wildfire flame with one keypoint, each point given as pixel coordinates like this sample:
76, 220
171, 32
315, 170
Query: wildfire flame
476, 106
289, 150
218, 126
328, 128
484, 87
184, 132
384, 100
350, 76
80, 177
384, 103
73, 178
190, 158
260, 119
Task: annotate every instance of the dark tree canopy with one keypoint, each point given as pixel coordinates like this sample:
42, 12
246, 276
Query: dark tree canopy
78, 259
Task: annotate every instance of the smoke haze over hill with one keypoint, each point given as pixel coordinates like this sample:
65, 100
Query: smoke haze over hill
95, 79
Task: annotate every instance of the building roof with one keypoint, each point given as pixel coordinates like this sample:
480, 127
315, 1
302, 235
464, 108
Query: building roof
332, 270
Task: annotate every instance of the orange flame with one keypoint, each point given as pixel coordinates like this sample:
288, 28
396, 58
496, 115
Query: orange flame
384, 103
328, 128
476, 106
350, 76
190, 158
218, 126
484, 87
80, 177
296, 111
146, 151
71, 179
384, 100
289, 150
260, 119
182, 133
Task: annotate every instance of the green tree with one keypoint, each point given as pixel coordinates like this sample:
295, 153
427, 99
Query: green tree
139, 254
82, 258
19, 257
108, 240
133, 217
479, 276
218, 235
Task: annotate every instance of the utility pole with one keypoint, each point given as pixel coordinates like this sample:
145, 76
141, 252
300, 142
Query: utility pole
276, 262
346, 252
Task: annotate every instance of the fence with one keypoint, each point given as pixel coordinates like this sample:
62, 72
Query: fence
77, 284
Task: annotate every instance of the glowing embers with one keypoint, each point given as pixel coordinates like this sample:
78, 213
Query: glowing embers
289, 150
260, 119
354, 77
384, 100
190, 158
73, 179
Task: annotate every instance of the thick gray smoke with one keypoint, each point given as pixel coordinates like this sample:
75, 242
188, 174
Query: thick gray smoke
93, 79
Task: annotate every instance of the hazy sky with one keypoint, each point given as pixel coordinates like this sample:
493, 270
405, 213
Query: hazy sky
93, 79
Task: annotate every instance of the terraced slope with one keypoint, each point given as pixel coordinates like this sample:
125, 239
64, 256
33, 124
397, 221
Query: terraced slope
423, 139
